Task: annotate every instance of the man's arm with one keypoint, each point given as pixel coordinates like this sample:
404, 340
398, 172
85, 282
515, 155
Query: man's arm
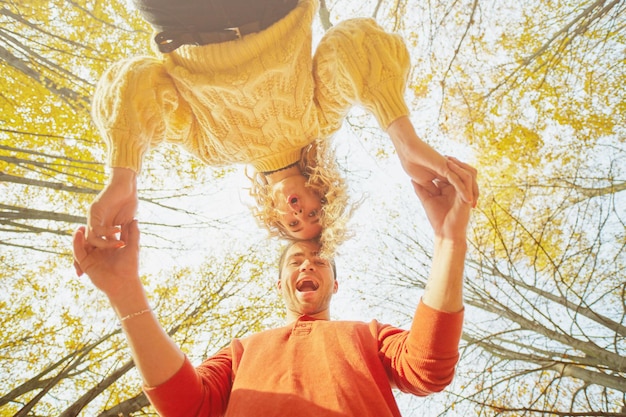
424, 359
115, 272
444, 288
449, 216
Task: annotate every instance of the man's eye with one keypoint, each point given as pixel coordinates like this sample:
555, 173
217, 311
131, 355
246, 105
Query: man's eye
313, 213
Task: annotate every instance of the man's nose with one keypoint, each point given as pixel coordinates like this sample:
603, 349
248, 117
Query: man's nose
307, 265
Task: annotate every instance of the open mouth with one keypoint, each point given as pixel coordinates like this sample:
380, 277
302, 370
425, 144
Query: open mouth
307, 285
292, 200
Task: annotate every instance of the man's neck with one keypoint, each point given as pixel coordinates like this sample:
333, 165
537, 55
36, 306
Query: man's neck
293, 316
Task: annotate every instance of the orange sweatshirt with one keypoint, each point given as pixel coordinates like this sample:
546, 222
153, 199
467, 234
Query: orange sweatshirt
318, 368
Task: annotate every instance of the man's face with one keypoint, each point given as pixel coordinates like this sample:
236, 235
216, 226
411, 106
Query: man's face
307, 282
300, 207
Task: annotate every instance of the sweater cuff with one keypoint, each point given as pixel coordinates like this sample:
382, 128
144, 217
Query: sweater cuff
386, 104
125, 153
437, 331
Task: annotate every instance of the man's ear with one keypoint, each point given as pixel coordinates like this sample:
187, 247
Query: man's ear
335, 286
279, 285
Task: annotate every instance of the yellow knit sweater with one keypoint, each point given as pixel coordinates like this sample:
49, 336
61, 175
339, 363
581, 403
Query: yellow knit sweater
257, 100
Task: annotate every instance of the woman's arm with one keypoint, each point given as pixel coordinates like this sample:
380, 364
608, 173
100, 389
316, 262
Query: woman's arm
424, 164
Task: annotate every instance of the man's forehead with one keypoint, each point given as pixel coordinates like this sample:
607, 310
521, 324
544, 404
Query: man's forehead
303, 249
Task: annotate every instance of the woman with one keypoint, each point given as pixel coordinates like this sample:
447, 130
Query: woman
236, 83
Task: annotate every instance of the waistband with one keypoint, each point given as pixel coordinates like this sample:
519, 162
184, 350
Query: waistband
170, 40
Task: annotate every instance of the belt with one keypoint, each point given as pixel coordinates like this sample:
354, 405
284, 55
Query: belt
170, 40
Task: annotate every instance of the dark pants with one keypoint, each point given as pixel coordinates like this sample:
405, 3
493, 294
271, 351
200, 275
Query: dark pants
211, 15
201, 22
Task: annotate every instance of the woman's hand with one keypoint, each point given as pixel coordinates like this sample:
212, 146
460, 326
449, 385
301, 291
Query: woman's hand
114, 207
427, 167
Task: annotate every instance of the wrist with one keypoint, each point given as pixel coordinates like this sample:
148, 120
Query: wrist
129, 299
123, 175
444, 289
453, 244
410, 147
402, 134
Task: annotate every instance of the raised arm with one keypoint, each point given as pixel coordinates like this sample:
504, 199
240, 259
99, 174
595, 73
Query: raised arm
132, 102
449, 216
358, 62
115, 272
424, 359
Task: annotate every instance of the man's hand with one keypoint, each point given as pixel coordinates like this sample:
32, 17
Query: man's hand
449, 216
112, 270
115, 272
114, 207
447, 212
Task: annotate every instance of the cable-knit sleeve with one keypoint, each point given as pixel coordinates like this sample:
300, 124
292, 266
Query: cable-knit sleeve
135, 106
357, 62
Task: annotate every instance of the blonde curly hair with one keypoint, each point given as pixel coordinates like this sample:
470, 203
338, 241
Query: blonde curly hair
317, 163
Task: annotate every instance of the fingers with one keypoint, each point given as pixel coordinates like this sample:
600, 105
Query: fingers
104, 237
463, 165
107, 232
101, 230
130, 234
132, 237
430, 188
80, 252
87, 255
467, 174
454, 178
422, 192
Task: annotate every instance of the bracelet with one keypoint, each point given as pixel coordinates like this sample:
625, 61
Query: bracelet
135, 314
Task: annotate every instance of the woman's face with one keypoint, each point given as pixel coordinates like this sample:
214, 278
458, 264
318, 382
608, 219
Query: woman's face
299, 207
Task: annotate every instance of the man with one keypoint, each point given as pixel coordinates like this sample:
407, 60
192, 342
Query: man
312, 366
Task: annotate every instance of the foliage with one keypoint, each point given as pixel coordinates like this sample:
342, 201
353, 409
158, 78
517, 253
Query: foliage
534, 89
51, 157
58, 356
82, 364
537, 92
51, 53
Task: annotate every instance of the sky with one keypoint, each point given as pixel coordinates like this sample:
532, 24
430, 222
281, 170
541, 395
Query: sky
379, 184
385, 195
